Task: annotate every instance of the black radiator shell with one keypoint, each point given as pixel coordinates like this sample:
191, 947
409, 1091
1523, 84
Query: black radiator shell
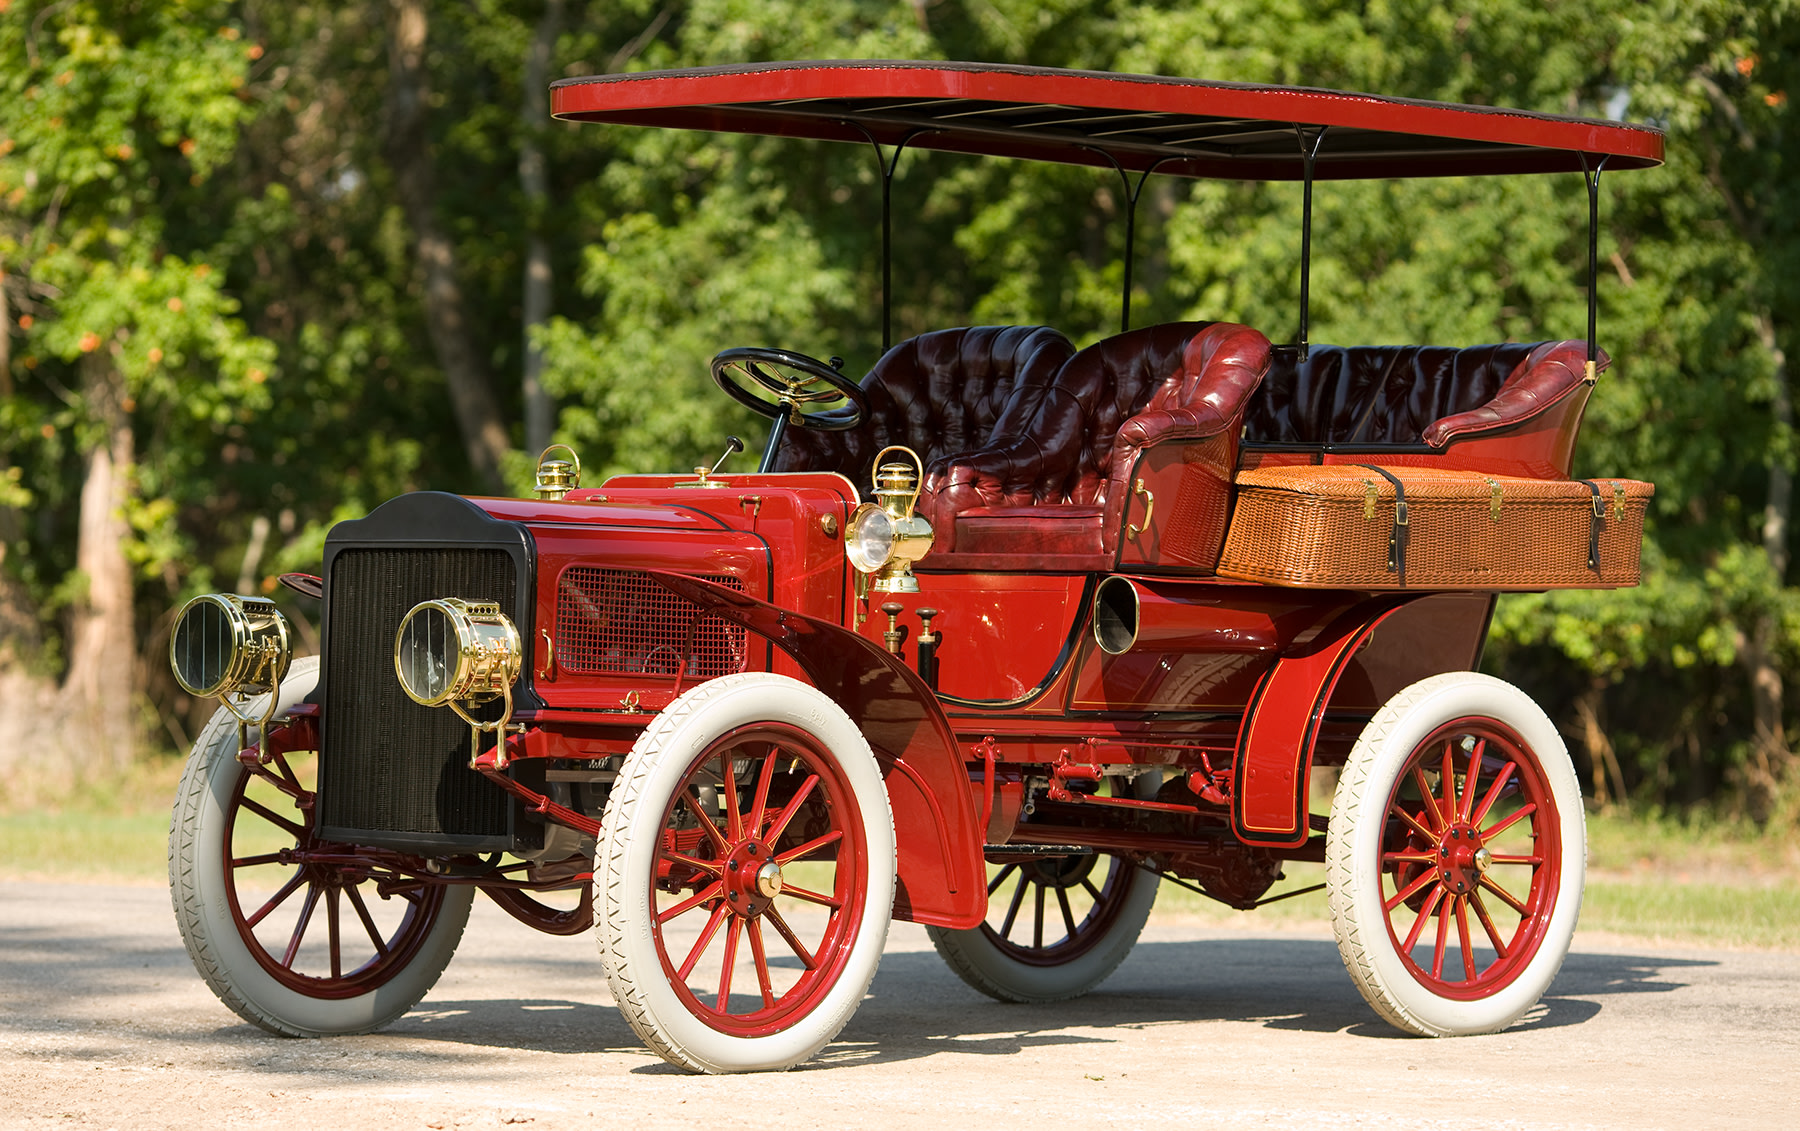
393, 773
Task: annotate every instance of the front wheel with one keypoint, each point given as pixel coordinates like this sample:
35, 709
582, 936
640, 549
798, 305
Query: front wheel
1455, 856
299, 936
745, 875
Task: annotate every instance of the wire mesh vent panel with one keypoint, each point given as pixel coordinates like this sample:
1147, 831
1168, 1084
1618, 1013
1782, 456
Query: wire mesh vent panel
389, 764
617, 622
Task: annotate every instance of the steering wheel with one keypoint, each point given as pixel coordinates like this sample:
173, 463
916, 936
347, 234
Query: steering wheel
791, 386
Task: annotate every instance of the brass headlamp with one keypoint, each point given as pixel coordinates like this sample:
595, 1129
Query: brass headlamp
459, 654
884, 539
231, 648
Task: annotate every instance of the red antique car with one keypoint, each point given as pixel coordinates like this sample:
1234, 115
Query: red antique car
1107, 609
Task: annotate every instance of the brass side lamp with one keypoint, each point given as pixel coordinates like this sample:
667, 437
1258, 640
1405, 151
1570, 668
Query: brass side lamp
233, 649
557, 477
885, 538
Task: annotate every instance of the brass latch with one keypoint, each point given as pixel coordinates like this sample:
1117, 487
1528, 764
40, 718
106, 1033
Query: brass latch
1494, 499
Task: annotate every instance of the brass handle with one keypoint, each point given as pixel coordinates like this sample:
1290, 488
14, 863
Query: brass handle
1133, 530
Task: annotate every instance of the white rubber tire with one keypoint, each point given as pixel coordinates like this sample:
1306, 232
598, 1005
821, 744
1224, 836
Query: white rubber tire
197, 888
630, 837
980, 962
1353, 854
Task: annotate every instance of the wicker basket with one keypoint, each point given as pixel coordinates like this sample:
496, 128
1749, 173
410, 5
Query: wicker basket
1338, 527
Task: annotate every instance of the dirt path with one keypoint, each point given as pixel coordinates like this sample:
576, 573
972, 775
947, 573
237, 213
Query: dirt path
104, 1023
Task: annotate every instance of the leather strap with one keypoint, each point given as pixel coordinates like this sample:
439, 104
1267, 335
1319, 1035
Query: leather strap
1596, 523
1397, 537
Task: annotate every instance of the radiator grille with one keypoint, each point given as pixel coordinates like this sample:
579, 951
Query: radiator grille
616, 622
390, 765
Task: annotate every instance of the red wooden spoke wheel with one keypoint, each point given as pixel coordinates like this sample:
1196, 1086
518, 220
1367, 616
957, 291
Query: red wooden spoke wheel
1455, 856
319, 920
1056, 927
759, 871
300, 936
745, 875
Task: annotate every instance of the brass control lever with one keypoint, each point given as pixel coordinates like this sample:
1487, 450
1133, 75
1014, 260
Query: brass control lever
894, 634
928, 643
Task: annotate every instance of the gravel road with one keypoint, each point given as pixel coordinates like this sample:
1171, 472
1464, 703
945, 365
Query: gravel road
104, 1023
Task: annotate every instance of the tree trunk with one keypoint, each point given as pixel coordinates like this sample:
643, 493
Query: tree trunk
534, 119
99, 687
18, 621
409, 152
1769, 755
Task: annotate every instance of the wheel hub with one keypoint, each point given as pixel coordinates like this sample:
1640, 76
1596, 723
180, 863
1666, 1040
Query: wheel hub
752, 878
1462, 858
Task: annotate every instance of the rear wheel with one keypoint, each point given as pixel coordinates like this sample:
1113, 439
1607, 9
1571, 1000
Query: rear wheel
300, 936
745, 875
1057, 926
1455, 856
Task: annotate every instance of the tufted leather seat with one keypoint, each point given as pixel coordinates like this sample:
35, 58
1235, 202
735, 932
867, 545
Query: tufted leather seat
1052, 479
939, 393
1374, 395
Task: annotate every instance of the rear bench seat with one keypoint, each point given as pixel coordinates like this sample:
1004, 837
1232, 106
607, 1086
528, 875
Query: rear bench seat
1511, 409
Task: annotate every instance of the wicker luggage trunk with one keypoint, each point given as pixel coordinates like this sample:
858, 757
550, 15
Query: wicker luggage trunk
1366, 527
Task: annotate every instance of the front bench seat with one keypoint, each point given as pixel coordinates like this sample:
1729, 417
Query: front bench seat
1050, 489
939, 393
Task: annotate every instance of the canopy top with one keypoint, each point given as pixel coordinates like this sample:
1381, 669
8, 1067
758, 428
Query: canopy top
1184, 127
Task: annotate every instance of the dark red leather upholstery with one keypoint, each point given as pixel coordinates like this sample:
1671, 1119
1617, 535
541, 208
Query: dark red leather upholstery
1357, 395
939, 393
1067, 450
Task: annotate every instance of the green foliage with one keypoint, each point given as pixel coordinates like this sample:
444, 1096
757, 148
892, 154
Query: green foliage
193, 195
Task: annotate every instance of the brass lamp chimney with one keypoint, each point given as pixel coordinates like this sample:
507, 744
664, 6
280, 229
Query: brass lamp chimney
557, 477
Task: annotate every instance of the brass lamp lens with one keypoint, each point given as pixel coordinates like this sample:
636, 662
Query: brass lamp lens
452, 650
224, 644
869, 540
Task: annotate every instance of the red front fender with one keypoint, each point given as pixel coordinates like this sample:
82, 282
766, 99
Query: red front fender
941, 877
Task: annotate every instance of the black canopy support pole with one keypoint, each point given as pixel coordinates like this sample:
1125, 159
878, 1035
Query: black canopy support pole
1591, 174
1309, 153
887, 168
1131, 202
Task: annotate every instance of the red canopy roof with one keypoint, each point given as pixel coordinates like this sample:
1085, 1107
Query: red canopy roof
1186, 127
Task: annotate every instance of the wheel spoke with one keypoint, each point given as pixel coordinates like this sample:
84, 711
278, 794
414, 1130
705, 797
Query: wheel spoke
1443, 938
331, 933
1532, 860
730, 961
298, 832
1462, 936
1487, 923
811, 896
780, 823
1425, 795
276, 900
809, 847
306, 913
710, 867
759, 805
1062, 898
706, 822
1447, 779
787, 933
1088, 886
706, 936
1429, 875
995, 883
1421, 829
1012, 909
1407, 858
254, 861
710, 891
1418, 926
284, 781
1493, 793
1472, 777
754, 930
1522, 812
1506, 896
1037, 927
734, 820
368, 921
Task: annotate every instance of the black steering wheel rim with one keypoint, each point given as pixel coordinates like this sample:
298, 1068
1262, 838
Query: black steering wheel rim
788, 398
